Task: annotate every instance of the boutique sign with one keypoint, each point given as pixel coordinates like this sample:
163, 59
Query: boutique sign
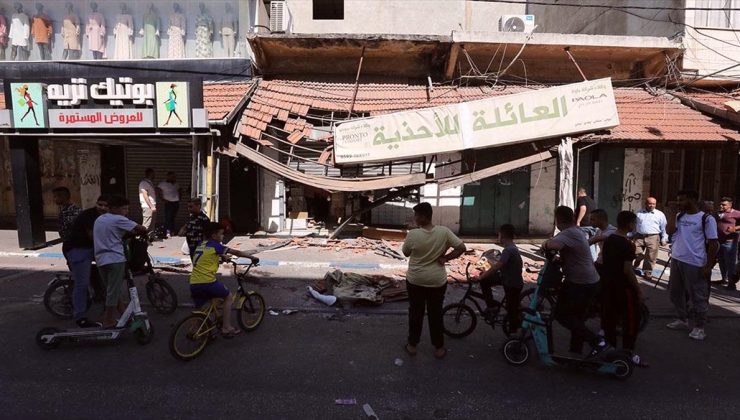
112, 103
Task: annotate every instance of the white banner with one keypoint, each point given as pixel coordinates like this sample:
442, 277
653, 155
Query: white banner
101, 118
5, 118
551, 112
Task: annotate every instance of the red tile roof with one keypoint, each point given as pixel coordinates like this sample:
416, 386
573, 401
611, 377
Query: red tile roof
221, 98
643, 116
716, 99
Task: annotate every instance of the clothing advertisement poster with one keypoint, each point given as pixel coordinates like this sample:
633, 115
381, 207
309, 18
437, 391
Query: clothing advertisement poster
28, 105
173, 105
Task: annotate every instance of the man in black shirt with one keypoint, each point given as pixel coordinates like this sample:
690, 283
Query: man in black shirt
78, 248
622, 295
584, 206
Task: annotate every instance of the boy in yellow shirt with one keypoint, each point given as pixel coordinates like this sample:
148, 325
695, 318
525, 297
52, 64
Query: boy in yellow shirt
203, 283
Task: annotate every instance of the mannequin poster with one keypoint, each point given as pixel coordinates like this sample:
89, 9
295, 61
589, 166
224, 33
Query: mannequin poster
173, 106
28, 105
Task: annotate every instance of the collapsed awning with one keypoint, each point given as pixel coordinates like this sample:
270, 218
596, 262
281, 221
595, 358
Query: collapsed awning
461, 180
326, 183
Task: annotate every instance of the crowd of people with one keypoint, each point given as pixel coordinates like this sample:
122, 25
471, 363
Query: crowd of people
99, 235
600, 262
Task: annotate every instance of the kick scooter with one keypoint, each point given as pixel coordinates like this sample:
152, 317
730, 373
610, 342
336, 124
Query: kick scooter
133, 319
537, 326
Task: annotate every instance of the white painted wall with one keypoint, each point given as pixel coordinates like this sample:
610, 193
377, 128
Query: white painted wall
406, 17
272, 197
711, 49
542, 197
633, 181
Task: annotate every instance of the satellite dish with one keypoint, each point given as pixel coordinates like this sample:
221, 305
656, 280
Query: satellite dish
514, 24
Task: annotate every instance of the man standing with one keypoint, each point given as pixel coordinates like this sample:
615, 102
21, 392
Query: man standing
171, 196
67, 210
728, 221
108, 234
600, 220
148, 199
694, 251
194, 228
426, 279
649, 235
581, 282
584, 206
78, 248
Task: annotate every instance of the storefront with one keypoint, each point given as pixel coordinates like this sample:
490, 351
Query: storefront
97, 133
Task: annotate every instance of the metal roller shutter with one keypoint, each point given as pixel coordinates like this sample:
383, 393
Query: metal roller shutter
162, 159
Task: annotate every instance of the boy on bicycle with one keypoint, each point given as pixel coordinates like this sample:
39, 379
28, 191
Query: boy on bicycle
203, 283
507, 270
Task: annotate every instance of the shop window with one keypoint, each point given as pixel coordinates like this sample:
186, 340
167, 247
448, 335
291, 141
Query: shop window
328, 9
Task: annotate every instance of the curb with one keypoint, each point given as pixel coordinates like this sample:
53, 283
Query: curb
268, 263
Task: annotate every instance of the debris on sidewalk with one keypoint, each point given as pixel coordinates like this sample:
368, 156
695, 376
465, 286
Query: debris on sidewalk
358, 246
398, 362
289, 311
358, 288
327, 300
369, 412
273, 313
348, 401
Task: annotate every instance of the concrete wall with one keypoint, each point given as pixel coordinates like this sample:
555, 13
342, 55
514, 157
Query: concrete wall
556, 18
542, 197
711, 49
272, 198
633, 182
56, 10
408, 17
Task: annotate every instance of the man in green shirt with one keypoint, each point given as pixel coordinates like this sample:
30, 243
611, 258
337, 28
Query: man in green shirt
426, 279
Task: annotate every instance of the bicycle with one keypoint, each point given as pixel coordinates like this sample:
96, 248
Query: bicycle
191, 336
462, 320
58, 293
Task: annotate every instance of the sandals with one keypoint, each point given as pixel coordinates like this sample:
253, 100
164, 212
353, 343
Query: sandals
407, 349
440, 353
233, 332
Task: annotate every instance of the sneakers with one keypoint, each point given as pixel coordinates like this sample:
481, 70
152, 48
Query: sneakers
601, 348
697, 334
678, 325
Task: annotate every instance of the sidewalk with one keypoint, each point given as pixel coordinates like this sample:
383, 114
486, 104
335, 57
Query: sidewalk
284, 274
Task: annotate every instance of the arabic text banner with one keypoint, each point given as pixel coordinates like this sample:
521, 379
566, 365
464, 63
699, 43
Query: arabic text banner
101, 118
538, 114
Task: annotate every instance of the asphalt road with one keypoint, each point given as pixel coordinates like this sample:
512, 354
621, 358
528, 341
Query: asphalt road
295, 366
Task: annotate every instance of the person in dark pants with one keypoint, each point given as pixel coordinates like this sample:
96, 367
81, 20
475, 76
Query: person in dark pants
621, 293
507, 271
581, 283
170, 192
426, 279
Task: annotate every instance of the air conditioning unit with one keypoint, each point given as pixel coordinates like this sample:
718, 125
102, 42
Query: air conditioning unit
516, 23
279, 16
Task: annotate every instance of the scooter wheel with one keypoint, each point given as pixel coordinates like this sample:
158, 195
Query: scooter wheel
47, 343
144, 335
623, 363
516, 352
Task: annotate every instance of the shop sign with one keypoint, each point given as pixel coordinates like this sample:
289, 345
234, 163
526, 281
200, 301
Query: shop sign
110, 103
5, 118
101, 118
544, 113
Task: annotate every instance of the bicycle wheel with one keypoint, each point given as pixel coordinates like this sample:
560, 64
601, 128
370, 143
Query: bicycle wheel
251, 311
458, 320
161, 295
623, 364
190, 337
58, 298
545, 304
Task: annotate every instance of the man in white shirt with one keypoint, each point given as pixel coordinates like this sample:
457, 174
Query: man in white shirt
649, 235
171, 196
600, 220
694, 251
148, 199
